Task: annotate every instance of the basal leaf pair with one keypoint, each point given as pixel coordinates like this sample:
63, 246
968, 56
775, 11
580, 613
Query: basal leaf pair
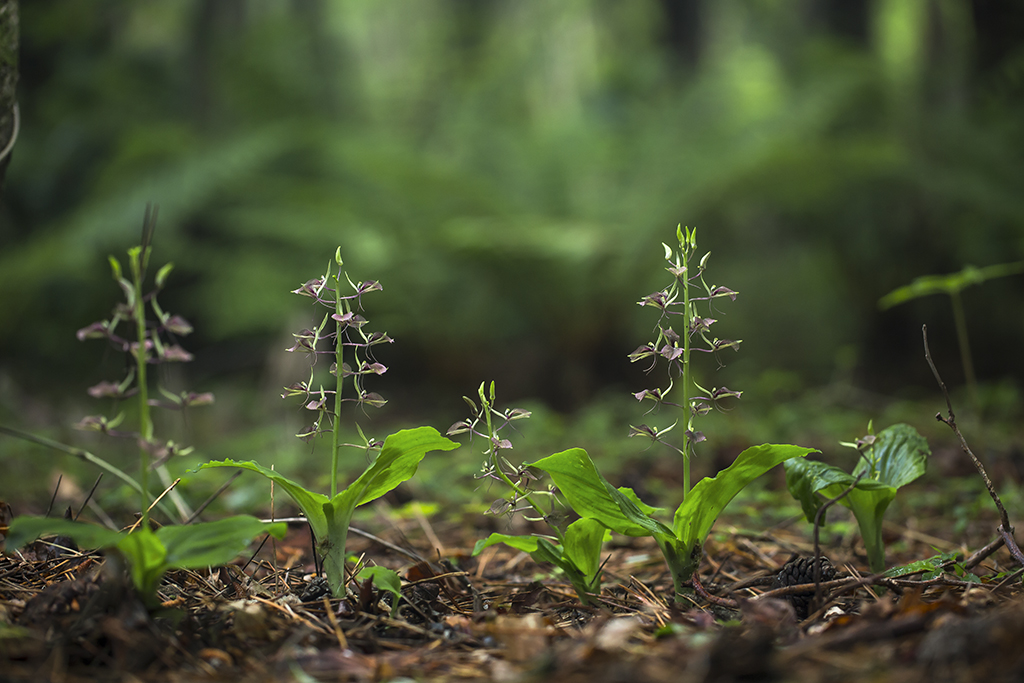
329, 517
620, 510
895, 457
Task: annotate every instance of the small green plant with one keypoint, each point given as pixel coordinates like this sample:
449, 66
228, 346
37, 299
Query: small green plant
149, 554
620, 510
575, 548
895, 457
399, 454
951, 285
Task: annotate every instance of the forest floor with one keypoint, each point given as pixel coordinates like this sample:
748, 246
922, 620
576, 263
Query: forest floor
70, 616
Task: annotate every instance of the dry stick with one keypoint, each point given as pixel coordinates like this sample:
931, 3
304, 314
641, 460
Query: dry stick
153, 504
89, 497
1005, 531
53, 498
213, 497
817, 527
412, 555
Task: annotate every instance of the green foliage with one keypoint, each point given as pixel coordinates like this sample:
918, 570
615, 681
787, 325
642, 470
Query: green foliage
592, 497
386, 580
329, 517
951, 284
579, 558
895, 457
150, 554
518, 158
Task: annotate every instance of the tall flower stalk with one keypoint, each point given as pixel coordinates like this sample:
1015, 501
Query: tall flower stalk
675, 349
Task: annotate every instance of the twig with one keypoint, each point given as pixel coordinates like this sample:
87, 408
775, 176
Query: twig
1005, 530
365, 534
214, 497
89, 497
713, 599
153, 504
981, 554
53, 498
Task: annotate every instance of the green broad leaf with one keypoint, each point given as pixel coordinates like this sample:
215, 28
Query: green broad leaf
397, 462
583, 540
527, 544
209, 544
932, 564
953, 283
590, 495
868, 500
24, 530
696, 515
309, 502
384, 579
901, 456
804, 478
648, 510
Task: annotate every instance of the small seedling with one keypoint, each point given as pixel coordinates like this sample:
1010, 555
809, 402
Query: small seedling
398, 456
149, 554
951, 285
895, 457
576, 548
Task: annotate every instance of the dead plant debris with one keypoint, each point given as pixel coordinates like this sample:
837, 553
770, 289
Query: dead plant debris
71, 616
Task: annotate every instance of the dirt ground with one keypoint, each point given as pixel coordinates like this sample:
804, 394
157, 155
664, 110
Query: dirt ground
72, 617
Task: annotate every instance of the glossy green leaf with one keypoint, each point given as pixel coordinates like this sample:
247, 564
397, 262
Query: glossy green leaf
397, 461
309, 502
590, 495
583, 540
868, 500
527, 544
900, 454
696, 515
384, 579
932, 564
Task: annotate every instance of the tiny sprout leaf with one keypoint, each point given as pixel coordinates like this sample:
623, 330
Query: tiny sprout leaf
161, 275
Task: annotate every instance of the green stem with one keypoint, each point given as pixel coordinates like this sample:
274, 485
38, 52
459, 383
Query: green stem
339, 383
76, 452
493, 454
965, 348
687, 322
138, 261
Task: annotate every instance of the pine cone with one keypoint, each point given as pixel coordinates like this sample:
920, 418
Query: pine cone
799, 571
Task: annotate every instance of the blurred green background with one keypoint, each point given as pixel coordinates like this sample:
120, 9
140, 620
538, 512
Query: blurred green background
508, 169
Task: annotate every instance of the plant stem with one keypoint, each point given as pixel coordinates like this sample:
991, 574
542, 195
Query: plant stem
685, 403
965, 348
339, 382
493, 453
138, 258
